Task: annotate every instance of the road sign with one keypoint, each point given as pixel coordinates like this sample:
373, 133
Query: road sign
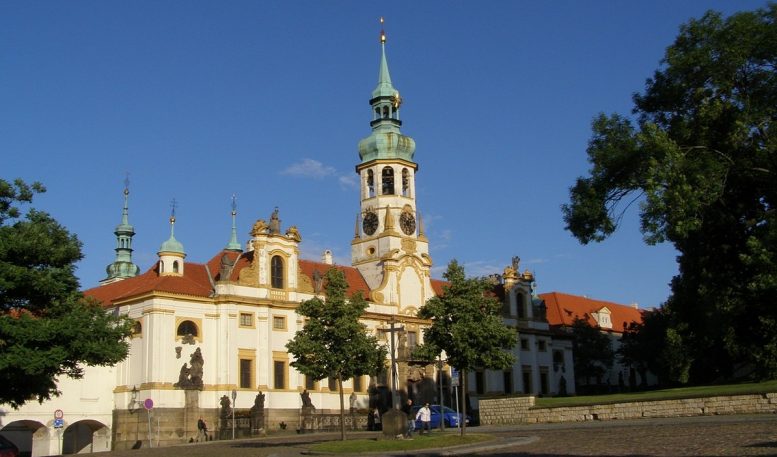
148, 404
454, 377
59, 422
59, 414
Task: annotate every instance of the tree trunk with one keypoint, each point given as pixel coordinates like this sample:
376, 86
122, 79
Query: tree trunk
342, 407
463, 382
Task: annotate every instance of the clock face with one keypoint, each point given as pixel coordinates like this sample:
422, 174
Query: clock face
370, 222
407, 222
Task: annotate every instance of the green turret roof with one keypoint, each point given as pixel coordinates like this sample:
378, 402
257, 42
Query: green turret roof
172, 245
233, 244
122, 267
386, 141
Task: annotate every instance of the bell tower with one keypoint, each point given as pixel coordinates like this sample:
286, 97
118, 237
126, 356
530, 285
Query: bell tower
389, 246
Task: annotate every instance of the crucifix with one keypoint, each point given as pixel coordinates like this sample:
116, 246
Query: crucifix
394, 374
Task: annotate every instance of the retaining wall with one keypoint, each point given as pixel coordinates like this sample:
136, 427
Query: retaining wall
521, 410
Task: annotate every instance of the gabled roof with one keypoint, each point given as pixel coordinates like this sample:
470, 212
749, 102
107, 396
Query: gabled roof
563, 308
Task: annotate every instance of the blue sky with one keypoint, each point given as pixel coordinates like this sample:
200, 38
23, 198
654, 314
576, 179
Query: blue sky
199, 100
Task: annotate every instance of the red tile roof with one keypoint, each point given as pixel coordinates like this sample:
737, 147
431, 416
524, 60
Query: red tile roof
197, 279
356, 282
564, 308
194, 282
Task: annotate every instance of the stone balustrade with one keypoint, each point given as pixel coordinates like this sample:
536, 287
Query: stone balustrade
521, 410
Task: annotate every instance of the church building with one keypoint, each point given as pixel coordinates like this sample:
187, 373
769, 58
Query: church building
211, 336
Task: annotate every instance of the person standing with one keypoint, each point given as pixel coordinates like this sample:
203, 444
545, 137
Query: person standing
202, 430
407, 408
425, 416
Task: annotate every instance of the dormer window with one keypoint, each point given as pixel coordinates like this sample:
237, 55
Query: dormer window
603, 318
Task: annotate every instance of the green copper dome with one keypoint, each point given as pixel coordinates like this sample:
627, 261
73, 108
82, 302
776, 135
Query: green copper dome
172, 245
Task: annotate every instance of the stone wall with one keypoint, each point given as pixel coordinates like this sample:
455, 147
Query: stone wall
521, 410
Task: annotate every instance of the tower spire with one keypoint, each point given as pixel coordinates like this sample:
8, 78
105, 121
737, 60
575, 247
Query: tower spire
233, 244
122, 266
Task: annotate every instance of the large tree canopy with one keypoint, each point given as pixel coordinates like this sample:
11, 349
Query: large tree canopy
47, 328
699, 157
466, 324
333, 342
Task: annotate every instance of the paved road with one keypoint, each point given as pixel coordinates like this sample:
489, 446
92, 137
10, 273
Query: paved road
693, 436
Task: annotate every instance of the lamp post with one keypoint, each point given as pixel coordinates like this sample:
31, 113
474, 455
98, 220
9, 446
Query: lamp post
234, 396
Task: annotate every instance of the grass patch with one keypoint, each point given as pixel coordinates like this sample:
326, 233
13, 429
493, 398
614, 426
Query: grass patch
657, 395
435, 440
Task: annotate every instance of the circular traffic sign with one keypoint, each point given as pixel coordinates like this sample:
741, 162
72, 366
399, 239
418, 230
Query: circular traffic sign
148, 404
59, 414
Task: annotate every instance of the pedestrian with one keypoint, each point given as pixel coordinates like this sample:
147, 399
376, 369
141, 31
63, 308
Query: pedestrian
407, 408
425, 416
202, 430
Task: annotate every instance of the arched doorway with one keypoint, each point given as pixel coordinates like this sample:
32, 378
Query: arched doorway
86, 436
31, 437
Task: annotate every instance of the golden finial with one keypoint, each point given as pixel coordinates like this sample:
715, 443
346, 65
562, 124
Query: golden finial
382, 33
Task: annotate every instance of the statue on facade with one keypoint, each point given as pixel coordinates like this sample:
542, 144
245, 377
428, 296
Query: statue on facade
226, 407
306, 401
275, 222
258, 402
190, 377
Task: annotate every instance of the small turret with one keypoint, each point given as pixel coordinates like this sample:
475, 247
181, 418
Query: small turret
122, 267
171, 253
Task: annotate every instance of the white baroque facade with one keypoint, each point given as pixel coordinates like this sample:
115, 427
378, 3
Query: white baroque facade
204, 331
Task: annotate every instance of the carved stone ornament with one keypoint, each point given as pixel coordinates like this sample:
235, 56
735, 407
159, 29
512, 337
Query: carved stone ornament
260, 228
408, 246
292, 233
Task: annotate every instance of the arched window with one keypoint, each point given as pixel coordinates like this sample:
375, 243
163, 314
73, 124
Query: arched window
175, 266
187, 328
276, 272
388, 181
405, 183
385, 112
520, 302
377, 113
370, 184
161, 267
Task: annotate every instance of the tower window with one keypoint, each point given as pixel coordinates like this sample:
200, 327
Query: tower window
175, 266
405, 183
277, 272
161, 267
370, 184
388, 181
385, 112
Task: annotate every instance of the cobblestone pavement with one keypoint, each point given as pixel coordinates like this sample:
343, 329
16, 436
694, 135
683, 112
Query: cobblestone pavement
693, 436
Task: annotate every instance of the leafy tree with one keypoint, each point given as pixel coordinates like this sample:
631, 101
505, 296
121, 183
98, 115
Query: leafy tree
654, 345
591, 352
699, 156
47, 328
466, 325
333, 343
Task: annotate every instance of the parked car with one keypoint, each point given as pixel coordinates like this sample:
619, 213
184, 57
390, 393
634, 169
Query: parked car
7, 448
452, 419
